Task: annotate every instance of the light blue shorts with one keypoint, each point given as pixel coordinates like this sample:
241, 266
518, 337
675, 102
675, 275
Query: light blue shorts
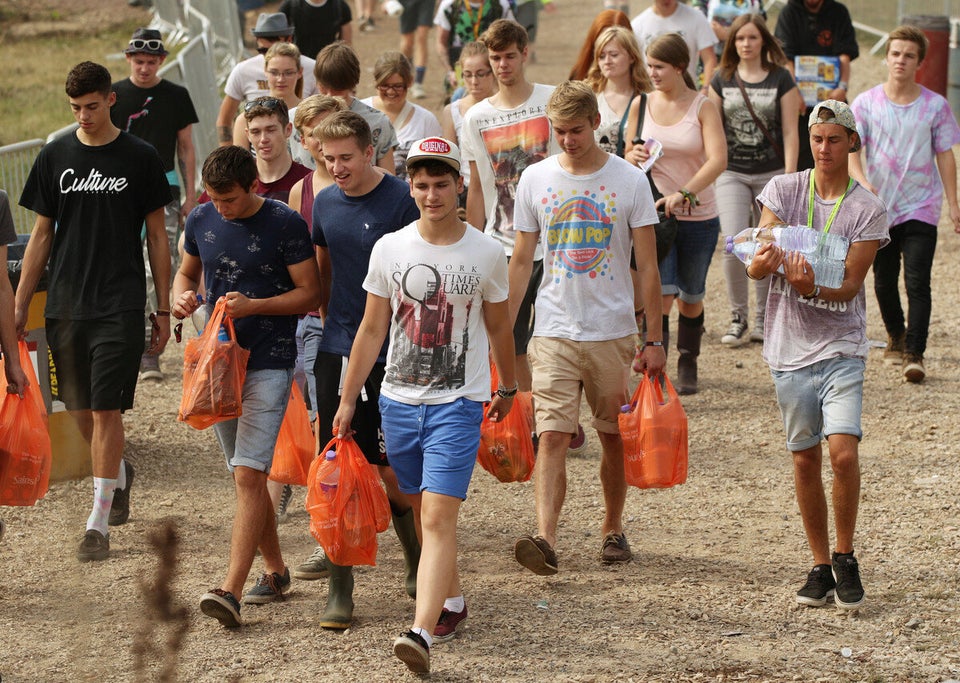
683, 272
249, 440
432, 447
819, 400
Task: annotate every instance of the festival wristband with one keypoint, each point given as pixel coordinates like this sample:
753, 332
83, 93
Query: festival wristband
503, 392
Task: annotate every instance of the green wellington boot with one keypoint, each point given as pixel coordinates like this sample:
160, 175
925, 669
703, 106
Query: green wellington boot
339, 612
407, 533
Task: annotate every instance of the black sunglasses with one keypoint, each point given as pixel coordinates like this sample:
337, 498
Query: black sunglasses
152, 44
271, 103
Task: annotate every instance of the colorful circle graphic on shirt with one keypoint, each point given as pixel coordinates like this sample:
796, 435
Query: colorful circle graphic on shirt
578, 235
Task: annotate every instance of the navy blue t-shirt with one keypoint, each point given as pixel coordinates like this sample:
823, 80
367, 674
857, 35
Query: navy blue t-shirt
251, 256
349, 227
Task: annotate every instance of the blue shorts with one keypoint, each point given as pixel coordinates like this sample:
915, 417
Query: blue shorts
819, 400
249, 440
432, 447
684, 270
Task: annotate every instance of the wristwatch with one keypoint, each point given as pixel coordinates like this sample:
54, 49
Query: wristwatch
812, 295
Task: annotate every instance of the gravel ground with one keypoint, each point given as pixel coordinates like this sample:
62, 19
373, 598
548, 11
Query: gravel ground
709, 596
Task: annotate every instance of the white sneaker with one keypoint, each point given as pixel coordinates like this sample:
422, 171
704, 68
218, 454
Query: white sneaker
418, 92
737, 333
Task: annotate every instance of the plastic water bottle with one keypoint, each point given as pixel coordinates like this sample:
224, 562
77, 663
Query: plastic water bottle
330, 482
826, 253
223, 335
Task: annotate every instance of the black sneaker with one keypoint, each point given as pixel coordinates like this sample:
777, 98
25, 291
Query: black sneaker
818, 588
94, 547
120, 510
269, 587
222, 606
411, 649
846, 572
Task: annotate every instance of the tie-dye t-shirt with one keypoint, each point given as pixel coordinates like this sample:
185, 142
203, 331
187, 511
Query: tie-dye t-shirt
900, 144
585, 225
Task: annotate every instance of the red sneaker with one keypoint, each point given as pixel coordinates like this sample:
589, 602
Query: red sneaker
446, 627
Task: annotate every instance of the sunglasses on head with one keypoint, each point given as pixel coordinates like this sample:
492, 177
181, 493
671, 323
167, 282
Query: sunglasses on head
151, 44
271, 103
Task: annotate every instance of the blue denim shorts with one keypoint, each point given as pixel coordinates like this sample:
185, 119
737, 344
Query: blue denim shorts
684, 270
432, 447
819, 400
249, 440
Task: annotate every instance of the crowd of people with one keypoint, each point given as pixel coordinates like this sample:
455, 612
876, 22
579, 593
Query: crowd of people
382, 257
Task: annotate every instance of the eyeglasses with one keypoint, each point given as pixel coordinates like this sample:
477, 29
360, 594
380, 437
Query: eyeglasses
277, 74
468, 75
152, 44
271, 103
394, 87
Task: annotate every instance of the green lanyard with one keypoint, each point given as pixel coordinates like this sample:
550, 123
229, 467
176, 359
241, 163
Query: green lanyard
833, 214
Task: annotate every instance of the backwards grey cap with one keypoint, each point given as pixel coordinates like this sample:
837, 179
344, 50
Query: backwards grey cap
840, 114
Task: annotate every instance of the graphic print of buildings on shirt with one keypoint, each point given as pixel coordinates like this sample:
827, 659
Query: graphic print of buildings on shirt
425, 351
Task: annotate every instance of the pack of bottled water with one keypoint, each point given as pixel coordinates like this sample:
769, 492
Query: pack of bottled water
825, 252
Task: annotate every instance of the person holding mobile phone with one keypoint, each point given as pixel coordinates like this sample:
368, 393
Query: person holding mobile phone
688, 126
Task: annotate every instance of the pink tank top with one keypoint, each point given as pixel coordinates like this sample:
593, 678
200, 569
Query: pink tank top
306, 201
683, 155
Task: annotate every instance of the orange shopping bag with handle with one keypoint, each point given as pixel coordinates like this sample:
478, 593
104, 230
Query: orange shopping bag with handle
25, 452
347, 504
293, 454
214, 369
506, 446
654, 432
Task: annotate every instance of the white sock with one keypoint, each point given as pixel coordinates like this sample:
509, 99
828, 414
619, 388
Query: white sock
422, 632
102, 501
122, 477
454, 604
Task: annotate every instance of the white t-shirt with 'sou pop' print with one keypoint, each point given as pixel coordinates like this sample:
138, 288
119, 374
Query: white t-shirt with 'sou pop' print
438, 343
585, 224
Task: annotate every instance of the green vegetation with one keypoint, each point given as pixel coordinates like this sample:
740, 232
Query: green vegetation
32, 101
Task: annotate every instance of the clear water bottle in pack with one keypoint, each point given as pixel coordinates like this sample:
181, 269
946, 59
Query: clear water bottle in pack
826, 253
329, 482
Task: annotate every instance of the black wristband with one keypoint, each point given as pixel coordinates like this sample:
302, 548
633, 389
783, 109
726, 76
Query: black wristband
503, 392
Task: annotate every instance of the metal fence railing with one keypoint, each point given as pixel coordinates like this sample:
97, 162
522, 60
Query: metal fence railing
206, 39
16, 161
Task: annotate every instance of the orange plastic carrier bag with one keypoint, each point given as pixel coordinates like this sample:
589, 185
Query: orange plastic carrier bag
293, 454
654, 434
214, 370
506, 447
25, 451
347, 504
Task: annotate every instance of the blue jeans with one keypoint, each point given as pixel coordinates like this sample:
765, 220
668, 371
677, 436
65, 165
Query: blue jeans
309, 336
916, 242
819, 400
684, 270
249, 440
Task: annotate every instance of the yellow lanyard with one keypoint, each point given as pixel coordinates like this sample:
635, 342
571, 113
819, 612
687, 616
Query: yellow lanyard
833, 214
476, 24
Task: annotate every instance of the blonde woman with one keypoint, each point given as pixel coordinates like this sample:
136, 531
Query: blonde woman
393, 75
689, 128
284, 75
617, 75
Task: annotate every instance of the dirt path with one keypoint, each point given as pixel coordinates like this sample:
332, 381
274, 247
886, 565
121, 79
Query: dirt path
709, 596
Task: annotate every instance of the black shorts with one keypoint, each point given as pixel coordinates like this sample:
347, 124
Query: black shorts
329, 368
98, 360
523, 328
416, 13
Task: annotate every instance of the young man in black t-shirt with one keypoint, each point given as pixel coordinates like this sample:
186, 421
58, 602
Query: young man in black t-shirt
98, 187
161, 113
